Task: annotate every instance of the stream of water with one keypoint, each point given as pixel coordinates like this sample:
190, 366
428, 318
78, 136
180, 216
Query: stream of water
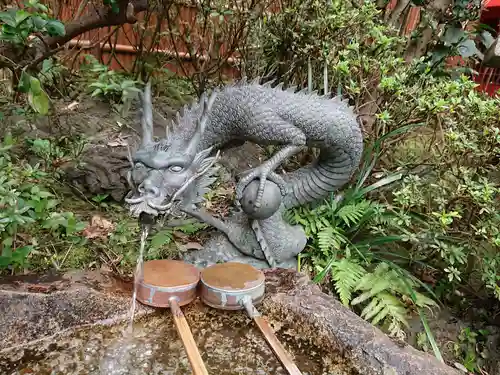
137, 277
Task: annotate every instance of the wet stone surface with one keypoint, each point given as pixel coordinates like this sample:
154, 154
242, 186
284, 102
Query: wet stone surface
74, 324
228, 342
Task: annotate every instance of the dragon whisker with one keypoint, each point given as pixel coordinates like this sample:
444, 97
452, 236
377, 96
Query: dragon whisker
135, 200
160, 207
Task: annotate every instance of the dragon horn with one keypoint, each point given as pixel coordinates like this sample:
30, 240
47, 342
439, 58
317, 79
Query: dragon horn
147, 116
202, 121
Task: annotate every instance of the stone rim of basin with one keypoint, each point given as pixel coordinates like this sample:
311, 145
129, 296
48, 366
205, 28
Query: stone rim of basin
291, 298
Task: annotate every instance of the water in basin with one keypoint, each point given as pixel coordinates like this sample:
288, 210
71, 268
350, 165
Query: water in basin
229, 343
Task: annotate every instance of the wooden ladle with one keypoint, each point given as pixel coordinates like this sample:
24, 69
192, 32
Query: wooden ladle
238, 286
172, 283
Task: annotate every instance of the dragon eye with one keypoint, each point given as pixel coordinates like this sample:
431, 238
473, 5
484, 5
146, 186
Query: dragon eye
176, 168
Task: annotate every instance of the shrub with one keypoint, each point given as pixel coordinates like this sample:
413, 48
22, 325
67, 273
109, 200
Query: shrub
29, 215
423, 215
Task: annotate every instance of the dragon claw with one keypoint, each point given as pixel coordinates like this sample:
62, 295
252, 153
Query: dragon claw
263, 174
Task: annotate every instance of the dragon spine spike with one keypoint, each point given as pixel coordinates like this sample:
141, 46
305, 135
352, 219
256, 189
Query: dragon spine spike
269, 83
147, 116
207, 105
200, 124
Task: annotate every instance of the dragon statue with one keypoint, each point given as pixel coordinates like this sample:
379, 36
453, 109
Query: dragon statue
169, 177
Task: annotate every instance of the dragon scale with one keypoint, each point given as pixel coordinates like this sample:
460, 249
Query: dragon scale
273, 116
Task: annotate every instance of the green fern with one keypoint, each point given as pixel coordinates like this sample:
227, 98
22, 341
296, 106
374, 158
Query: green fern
384, 305
385, 296
386, 289
351, 214
346, 275
330, 238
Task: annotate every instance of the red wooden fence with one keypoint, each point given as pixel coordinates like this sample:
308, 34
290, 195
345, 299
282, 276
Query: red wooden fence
118, 47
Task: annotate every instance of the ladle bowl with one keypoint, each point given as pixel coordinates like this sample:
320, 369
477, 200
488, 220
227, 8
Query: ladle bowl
165, 279
226, 286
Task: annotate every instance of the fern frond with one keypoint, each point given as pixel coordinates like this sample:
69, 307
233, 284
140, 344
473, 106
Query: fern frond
373, 283
346, 274
424, 301
330, 237
385, 305
395, 329
351, 214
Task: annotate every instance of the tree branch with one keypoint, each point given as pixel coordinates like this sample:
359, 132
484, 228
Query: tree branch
102, 17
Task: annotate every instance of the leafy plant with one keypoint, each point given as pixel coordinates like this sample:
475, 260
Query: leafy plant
392, 241
470, 348
29, 214
342, 244
18, 26
56, 152
111, 85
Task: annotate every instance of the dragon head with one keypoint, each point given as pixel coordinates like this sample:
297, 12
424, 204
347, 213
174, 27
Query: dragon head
171, 173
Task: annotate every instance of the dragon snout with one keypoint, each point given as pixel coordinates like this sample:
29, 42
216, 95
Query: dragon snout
149, 189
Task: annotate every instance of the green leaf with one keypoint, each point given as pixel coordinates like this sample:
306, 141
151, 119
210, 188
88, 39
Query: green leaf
468, 48
21, 16
35, 85
8, 18
55, 28
5, 261
39, 102
320, 276
24, 84
346, 275
20, 254
36, 4
39, 22
161, 238
382, 182
453, 35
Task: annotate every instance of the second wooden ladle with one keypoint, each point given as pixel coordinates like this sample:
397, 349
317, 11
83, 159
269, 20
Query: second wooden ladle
238, 286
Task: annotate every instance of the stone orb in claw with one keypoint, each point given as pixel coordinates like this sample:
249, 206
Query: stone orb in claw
271, 200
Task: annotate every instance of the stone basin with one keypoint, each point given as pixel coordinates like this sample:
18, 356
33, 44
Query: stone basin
74, 323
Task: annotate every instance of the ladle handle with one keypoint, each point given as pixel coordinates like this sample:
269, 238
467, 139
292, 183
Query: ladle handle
187, 339
276, 346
